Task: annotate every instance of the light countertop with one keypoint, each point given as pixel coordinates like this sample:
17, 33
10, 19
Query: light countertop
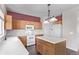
53, 40
12, 46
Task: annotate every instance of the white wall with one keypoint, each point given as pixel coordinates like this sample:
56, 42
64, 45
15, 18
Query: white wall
53, 30
71, 28
3, 8
3, 12
78, 23
69, 23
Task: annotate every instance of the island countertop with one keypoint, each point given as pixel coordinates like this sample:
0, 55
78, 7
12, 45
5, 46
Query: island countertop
53, 40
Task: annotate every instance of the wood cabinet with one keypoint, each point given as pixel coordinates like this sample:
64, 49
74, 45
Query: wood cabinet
47, 48
20, 24
38, 25
23, 40
8, 22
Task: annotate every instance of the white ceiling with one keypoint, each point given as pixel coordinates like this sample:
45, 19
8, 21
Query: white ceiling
39, 10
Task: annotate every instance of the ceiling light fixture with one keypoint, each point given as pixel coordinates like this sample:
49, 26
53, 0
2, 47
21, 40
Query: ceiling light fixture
53, 19
50, 19
46, 22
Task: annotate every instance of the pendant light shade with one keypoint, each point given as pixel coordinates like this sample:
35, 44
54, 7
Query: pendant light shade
46, 22
53, 19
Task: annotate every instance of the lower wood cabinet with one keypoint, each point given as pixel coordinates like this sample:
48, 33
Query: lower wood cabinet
47, 48
23, 40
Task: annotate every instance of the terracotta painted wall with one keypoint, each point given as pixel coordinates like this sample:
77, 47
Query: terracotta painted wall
59, 18
18, 16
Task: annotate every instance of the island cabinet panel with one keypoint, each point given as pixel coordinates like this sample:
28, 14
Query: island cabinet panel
47, 48
60, 48
39, 46
23, 39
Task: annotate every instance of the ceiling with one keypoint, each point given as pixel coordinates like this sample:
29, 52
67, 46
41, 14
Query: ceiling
39, 10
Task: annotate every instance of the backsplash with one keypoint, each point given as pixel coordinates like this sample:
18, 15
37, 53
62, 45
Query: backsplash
21, 32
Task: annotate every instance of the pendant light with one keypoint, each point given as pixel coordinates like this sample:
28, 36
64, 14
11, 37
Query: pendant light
53, 19
50, 19
46, 20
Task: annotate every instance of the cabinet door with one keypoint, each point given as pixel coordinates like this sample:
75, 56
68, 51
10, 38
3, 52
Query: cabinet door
44, 47
39, 46
8, 22
21, 24
23, 40
48, 48
60, 48
16, 24
38, 25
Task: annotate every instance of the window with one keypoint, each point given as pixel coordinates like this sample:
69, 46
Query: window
1, 26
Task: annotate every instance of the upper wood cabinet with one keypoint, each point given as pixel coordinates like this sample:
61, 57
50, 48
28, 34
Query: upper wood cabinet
38, 25
20, 24
8, 22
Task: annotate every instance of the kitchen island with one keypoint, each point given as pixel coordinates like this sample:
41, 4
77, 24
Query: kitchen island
50, 45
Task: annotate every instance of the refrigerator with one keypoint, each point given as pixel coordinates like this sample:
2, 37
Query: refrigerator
30, 32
